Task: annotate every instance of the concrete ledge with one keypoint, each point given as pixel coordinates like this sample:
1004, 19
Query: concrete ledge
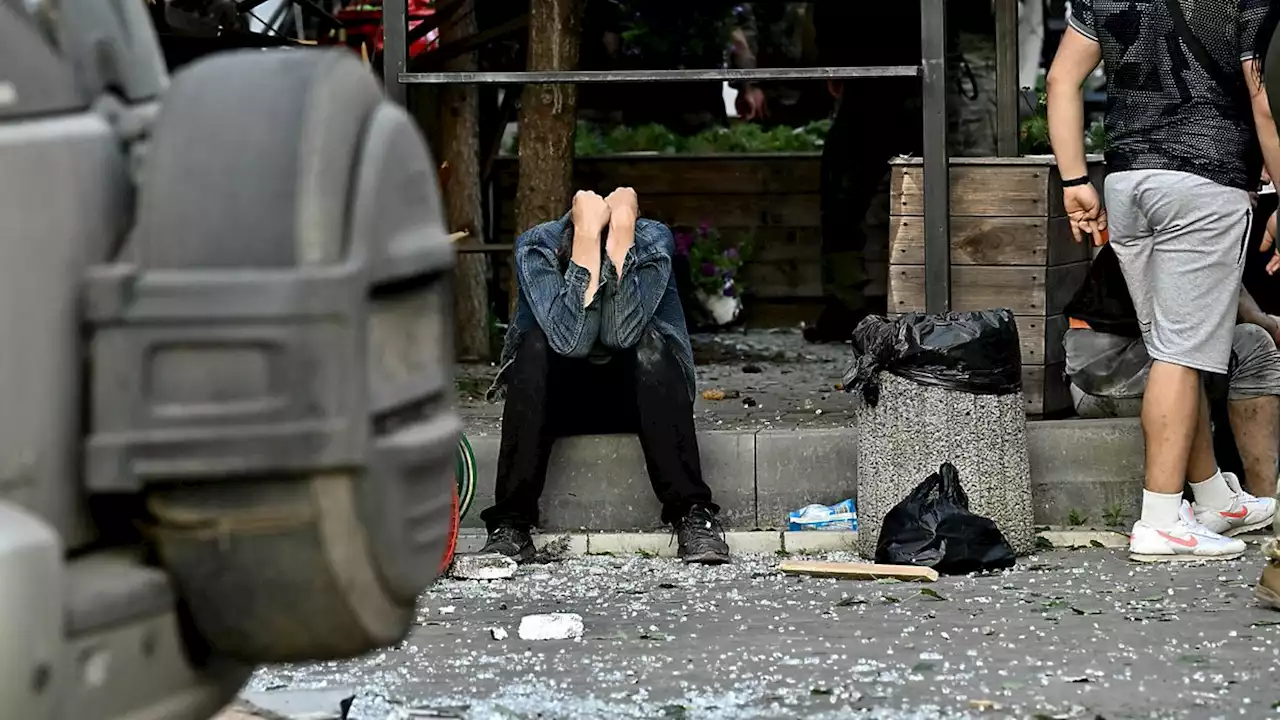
762, 542
1083, 472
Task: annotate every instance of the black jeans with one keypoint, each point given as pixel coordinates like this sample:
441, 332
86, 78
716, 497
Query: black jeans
641, 391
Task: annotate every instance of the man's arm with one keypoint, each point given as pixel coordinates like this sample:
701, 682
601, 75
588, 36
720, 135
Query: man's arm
1250, 313
1078, 54
564, 304
643, 269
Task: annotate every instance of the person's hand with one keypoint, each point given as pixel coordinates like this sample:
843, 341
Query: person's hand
624, 206
590, 213
751, 104
1084, 209
1269, 242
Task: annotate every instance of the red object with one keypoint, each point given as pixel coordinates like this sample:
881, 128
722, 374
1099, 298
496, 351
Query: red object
452, 544
363, 24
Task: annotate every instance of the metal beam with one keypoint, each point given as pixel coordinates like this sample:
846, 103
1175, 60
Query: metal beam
645, 76
1007, 90
395, 50
937, 213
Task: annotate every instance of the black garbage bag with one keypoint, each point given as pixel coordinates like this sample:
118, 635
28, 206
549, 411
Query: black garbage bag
974, 352
934, 528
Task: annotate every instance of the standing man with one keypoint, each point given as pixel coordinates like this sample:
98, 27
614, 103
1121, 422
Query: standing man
598, 345
1183, 124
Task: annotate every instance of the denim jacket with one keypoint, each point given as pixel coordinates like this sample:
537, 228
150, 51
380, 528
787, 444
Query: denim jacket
623, 307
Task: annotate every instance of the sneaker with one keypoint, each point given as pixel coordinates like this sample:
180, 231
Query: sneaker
1246, 514
1268, 590
701, 539
1187, 541
514, 542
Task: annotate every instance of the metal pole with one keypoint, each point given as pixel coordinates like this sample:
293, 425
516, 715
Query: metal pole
638, 76
395, 51
937, 212
1007, 90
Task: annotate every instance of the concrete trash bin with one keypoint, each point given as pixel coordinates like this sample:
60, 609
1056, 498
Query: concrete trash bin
914, 428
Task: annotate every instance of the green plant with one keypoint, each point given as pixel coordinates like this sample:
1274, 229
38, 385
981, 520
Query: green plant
1075, 519
591, 140
1033, 132
1114, 515
714, 264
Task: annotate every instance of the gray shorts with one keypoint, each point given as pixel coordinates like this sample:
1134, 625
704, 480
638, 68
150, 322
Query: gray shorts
1181, 241
1108, 375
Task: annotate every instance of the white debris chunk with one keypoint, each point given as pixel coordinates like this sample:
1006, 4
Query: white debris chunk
498, 633
556, 626
489, 566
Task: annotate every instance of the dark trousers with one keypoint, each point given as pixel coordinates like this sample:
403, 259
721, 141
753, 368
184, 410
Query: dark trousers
876, 121
640, 391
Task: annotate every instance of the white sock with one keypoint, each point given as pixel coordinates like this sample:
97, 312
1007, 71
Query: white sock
1160, 510
1214, 493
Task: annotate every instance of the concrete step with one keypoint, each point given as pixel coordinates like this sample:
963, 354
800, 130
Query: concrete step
1084, 472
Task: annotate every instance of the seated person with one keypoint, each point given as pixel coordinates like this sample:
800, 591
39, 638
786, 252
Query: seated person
1108, 366
598, 345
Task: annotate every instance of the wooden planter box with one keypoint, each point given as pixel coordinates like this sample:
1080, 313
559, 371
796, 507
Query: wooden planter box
773, 198
1011, 246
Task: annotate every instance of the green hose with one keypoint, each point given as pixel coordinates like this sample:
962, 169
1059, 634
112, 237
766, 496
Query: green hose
465, 474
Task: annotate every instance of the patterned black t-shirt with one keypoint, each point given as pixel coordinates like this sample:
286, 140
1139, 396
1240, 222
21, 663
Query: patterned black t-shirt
1164, 111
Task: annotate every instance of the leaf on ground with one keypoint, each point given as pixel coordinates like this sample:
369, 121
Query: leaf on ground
820, 691
1085, 611
1042, 543
1095, 543
888, 581
922, 667
1265, 623
1193, 659
1054, 604
678, 712
931, 594
851, 601
889, 599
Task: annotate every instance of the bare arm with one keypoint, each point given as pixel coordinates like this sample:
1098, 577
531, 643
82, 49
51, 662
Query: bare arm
1268, 137
1076, 58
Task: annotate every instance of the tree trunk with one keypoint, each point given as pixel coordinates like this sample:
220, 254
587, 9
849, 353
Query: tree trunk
548, 114
460, 150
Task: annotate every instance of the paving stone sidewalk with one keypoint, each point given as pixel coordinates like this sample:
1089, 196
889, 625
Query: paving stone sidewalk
1066, 634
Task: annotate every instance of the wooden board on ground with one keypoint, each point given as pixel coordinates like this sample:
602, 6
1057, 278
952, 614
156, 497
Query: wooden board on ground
858, 571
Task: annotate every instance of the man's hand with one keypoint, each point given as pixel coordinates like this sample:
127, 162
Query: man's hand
590, 214
1084, 209
624, 206
751, 104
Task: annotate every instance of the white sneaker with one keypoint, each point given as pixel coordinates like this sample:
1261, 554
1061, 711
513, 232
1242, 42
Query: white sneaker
1187, 541
1247, 513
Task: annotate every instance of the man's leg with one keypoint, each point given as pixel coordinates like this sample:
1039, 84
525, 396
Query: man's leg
1253, 407
665, 425
526, 443
1177, 237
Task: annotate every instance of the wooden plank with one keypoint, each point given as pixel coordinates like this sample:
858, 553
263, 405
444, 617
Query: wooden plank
1041, 339
991, 241
857, 571
984, 191
721, 211
1045, 389
681, 174
993, 187
1024, 290
783, 279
